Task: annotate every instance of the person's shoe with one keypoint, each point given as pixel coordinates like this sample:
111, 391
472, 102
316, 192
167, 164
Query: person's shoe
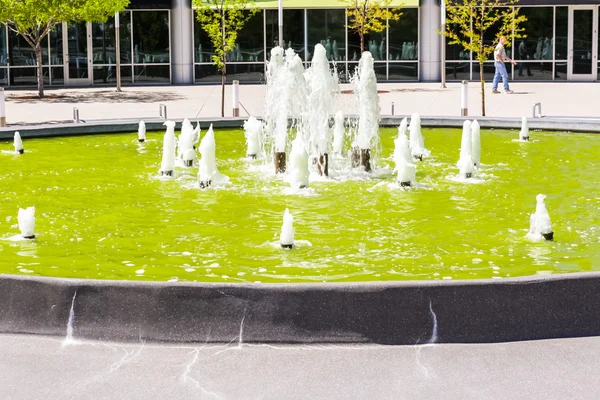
495, 91
508, 92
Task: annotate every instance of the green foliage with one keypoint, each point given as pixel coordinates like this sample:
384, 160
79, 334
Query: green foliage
469, 22
222, 20
33, 19
366, 16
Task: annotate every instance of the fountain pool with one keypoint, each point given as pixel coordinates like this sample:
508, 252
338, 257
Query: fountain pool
103, 212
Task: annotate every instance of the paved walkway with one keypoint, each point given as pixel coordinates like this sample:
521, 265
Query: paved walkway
35, 367
428, 99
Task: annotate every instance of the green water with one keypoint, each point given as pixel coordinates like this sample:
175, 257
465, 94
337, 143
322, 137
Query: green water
102, 212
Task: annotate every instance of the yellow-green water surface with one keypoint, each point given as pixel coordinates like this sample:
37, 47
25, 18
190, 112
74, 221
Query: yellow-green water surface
102, 212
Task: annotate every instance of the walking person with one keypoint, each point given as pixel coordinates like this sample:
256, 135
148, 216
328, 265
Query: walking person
524, 55
499, 58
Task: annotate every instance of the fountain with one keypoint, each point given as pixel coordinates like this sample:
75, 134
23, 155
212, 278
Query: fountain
286, 239
524, 133
323, 86
253, 130
405, 168
26, 218
18, 143
169, 146
142, 132
208, 174
299, 172
465, 163
540, 223
367, 136
417, 141
476, 143
186, 144
338, 134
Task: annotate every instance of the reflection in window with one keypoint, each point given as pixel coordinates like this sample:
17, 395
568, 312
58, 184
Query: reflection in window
404, 36
3, 47
22, 54
539, 30
250, 43
562, 33
293, 30
152, 74
203, 48
403, 71
56, 47
103, 42
151, 37
374, 43
458, 71
327, 27
125, 37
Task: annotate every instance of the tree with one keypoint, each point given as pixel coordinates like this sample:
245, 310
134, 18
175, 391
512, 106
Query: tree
222, 20
34, 19
366, 16
469, 22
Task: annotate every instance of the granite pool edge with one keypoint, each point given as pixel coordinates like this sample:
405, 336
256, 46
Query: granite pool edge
393, 313
95, 127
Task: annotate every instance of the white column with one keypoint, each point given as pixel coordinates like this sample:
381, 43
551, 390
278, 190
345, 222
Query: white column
182, 51
429, 41
464, 98
235, 98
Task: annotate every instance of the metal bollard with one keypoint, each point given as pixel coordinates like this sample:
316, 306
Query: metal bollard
2, 109
235, 96
162, 110
392, 108
76, 115
539, 107
464, 98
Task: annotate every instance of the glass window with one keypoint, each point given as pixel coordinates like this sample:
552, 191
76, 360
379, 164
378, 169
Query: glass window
538, 43
151, 37
203, 48
404, 36
58, 76
125, 37
3, 46
533, 71
56, 46
207, 74
22, 54
404, 71
455, 51
4, 76
562, 33
458, 71
152, 74
250, 46
327, 27
103, 42
374, 42
293, 30
26, 76
380, 70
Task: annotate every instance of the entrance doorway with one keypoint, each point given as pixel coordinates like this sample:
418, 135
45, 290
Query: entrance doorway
583, 43
77, 53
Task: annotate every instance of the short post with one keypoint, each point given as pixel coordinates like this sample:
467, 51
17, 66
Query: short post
392, 108
162, 109
322, 163
2, 109
236, 98
76, 115
537, 106
464, 98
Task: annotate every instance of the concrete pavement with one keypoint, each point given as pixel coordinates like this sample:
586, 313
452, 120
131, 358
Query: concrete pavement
428, 99
38, 367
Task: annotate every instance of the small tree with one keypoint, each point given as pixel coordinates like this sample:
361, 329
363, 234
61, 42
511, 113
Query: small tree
468, 24
34, 19
366, 16
222, 20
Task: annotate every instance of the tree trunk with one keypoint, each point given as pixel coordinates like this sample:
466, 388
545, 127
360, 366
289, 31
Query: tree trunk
40, 70
223, 91
362, 42
482, 89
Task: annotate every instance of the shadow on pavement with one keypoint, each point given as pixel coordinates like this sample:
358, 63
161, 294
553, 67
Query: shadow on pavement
99, 96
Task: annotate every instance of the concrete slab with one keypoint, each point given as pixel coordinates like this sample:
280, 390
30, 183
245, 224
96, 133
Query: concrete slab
37, 367
428, 99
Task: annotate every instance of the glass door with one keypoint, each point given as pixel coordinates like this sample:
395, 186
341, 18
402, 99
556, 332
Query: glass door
583, 43
77, 53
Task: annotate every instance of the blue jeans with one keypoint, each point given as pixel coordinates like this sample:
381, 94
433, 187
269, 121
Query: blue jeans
500, 73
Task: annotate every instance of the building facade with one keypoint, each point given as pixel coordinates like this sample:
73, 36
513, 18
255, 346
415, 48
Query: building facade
161, 42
